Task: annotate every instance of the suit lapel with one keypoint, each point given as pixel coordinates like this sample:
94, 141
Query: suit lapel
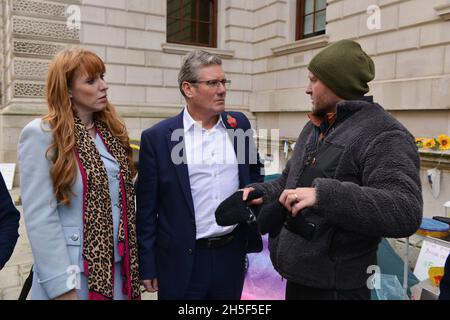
182, 168
230, 130
233, 139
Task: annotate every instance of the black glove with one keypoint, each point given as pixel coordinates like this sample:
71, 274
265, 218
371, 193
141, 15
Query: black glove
300, 225
234, 210
273, 216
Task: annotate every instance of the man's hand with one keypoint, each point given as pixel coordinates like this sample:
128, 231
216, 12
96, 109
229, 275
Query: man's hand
71, 295
295, 200
150, 285
254, 202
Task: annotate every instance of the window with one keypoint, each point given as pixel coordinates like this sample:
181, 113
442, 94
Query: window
311, 18
192, 22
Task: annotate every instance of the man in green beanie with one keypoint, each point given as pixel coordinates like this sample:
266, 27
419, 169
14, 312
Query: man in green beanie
353, 178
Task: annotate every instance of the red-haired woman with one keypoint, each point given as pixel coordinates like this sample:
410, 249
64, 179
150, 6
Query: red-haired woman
76, 186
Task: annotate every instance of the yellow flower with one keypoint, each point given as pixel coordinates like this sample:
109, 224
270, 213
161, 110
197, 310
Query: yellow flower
420, 139
429, 143
444, 142
419, 142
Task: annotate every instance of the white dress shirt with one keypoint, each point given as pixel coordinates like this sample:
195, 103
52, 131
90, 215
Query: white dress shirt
213, 172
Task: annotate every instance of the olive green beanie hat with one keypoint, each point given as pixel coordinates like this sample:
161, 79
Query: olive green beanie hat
344, 68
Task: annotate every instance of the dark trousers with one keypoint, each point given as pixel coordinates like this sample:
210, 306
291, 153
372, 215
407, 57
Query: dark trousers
295, 291
218, 273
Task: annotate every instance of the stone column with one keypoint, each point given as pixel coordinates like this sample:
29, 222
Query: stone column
32, 32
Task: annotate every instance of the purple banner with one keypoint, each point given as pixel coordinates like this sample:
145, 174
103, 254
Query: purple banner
262, 282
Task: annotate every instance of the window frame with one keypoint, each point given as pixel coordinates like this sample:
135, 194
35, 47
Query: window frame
300, 21
213, 23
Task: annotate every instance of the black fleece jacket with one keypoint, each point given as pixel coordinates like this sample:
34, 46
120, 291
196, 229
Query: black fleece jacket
375, 192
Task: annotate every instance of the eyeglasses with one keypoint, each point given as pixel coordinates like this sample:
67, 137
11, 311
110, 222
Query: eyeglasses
215, 83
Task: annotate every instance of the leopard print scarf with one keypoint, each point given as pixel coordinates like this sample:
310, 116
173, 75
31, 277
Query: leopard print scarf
98, 241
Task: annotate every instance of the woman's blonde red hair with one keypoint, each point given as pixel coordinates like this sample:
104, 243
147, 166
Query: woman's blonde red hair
61, 115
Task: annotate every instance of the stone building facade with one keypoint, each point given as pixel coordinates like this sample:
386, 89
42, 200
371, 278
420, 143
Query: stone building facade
409, 41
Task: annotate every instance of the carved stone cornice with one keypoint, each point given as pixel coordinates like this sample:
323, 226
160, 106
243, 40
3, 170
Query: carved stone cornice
443, 11
435, 159
302, 45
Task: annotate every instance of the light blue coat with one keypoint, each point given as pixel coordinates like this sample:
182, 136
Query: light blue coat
55, 232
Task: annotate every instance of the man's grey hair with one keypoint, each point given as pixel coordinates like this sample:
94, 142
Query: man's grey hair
192, 63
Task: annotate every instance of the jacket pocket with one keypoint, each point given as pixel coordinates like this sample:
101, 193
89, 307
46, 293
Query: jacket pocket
328, 159
306, 261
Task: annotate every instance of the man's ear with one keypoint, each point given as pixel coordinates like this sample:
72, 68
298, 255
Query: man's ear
187, 89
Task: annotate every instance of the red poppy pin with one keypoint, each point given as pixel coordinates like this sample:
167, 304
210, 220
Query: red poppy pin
231, 121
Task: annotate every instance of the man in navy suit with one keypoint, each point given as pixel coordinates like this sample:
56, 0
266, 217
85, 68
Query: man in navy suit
188, 165
444, 293
9, 224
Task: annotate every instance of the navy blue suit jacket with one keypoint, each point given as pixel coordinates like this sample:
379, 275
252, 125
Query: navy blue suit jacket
165, 211
9, 224
445, 282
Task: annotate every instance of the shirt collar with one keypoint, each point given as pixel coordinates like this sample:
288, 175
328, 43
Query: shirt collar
189, 122
317, 120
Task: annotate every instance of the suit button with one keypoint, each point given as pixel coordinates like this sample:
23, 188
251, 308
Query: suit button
74, 237
190, 251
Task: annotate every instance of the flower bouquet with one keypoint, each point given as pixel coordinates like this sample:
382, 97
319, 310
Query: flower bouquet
441, 143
